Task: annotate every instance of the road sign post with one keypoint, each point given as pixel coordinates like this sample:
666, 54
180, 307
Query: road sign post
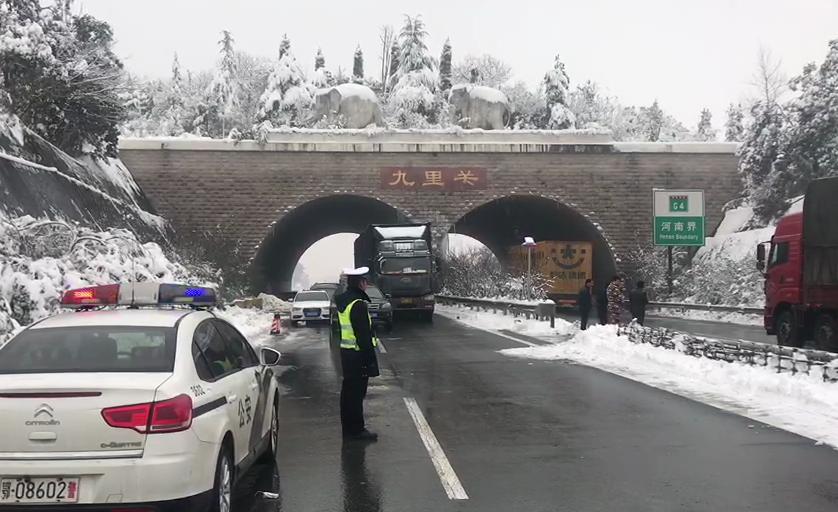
678, 220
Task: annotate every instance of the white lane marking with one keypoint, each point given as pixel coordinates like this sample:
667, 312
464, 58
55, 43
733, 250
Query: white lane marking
447, 476
381, 347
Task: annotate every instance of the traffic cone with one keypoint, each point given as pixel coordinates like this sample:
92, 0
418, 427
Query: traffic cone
276, 328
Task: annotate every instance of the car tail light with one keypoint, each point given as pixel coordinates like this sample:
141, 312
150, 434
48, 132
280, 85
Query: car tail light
173, 415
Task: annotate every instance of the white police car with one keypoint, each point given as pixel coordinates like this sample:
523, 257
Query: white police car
138, 408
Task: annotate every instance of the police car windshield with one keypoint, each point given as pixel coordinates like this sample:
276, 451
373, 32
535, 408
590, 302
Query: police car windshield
311, 297
90, 349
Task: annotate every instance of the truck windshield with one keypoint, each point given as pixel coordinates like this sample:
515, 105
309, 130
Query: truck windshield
405, 266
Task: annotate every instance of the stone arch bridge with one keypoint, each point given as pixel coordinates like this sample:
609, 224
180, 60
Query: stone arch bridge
280, 197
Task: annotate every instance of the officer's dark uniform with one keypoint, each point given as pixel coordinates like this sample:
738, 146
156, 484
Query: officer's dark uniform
358, 359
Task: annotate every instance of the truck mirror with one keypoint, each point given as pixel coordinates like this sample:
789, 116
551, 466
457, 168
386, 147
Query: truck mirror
761, 257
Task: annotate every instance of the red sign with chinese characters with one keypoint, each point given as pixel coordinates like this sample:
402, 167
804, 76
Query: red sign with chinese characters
448, 179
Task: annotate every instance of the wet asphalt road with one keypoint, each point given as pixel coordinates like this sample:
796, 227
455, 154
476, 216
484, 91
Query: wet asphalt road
522, 435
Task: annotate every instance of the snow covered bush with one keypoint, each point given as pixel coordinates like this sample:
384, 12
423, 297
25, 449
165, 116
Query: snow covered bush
478, 273
41, 258
288, 97
412, 98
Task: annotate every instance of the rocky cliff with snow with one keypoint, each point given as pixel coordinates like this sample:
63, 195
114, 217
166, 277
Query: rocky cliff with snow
40, 180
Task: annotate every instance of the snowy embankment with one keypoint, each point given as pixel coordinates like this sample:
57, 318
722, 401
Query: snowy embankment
708, 316
799, 403
724, 270
40, 259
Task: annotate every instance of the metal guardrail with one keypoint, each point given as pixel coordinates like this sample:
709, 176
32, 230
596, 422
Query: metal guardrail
516, 309
706, 307
751, 353
782, 359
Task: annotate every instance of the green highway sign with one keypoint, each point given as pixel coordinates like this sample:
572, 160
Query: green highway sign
678, 217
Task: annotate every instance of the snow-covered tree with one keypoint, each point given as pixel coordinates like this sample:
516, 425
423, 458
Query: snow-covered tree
526, 106
174, 117
387, 37
322, 77
319, 60
287, 97
445, 66
358, 65
653, 121
412, 99
394, 64
224, 89
483, 70
284, 46
556, 86
705, 131
60, 74
810, 140
734, 128
593, 109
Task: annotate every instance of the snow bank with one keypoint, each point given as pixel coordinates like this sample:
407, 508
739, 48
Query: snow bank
482, 92
497, 322
255, 324
799, 403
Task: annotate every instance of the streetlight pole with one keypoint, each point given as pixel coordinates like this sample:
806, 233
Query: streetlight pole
529, 243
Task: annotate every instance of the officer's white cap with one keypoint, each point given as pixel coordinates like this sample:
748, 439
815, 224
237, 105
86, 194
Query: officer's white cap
360, 271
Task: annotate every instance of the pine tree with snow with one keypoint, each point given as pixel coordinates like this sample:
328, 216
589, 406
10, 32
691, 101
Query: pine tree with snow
319, 60
445, 66
705, 131
556, 85
224, 89
412, 100
284, 46
288, 96
734, 129
358, 66
394, 64
652, 121
173, 121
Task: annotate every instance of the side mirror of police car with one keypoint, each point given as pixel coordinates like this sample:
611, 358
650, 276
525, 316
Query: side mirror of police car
269, 356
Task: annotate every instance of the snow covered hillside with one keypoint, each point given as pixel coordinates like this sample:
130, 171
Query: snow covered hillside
724, 270
38, 179
40, 259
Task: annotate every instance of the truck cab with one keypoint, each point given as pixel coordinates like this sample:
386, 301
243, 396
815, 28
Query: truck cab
783, 277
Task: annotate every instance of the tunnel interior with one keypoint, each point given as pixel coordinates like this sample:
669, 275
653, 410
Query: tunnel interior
503, 223
288, 239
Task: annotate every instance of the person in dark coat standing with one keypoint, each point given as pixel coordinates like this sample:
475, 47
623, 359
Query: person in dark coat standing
586, 302
637, 302
602, 305
357, 354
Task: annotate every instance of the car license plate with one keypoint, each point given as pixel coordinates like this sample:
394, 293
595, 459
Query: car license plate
373, 315
312, 314
407, 301
39, 490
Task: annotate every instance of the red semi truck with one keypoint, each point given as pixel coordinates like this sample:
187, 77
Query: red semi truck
801, 271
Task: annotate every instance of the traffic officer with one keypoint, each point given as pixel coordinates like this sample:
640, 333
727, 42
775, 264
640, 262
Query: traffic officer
357, 353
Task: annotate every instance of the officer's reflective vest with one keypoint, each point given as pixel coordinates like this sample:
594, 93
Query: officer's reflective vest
347, 333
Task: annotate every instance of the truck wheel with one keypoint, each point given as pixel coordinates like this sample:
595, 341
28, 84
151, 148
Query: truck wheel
826, 337
787, 335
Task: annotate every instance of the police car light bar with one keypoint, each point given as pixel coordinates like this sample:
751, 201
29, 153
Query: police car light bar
139, 294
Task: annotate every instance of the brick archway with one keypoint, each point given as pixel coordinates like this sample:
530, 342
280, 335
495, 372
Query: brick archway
505, 221
287, 239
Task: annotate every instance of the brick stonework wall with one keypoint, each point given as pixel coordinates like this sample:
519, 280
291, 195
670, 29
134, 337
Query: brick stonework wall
246, 191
